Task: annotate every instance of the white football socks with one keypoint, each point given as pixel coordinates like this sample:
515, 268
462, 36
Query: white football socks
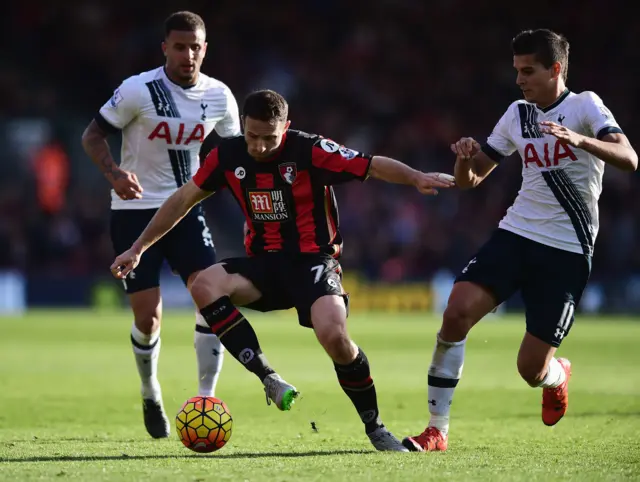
555, 375
146, 349
209, 353
444, 373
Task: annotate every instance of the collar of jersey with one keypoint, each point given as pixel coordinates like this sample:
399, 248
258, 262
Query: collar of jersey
184, 87
558, 101
278, 152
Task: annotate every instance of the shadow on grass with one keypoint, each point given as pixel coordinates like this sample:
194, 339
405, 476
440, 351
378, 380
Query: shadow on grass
240, 455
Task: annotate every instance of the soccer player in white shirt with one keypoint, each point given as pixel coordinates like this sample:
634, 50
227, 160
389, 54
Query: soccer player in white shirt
544, 244
164, 116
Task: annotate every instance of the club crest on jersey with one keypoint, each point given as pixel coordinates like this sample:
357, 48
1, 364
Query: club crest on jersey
288, 172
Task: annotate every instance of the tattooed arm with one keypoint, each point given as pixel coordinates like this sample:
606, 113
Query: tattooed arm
125, 184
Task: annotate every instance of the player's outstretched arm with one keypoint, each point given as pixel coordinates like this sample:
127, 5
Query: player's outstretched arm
169, 214
472, 165
390, 170
125, 184
613, 148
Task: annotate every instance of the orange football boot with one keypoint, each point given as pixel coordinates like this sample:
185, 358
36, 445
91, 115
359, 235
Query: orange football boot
431, 440
556, 400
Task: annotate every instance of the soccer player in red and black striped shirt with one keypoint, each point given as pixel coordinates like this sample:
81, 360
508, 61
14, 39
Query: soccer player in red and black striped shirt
282, 179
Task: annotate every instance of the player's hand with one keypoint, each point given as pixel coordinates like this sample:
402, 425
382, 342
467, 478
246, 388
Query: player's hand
428, 183
466, 148
562, 133
126, 184
125, 263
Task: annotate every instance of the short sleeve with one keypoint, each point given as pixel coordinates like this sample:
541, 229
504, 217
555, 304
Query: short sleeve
499, 143
122, 108
210, 176
229, 126
596, 117
336, 164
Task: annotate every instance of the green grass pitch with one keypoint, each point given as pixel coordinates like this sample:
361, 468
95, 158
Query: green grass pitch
70, 409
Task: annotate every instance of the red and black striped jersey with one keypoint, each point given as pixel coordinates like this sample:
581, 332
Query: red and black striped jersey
288, 199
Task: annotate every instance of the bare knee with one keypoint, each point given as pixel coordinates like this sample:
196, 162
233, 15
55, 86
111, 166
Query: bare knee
214, 282
468, 304
533, 359
148, 325
457, 321
147, 310
330, 325
209, 285
337, 343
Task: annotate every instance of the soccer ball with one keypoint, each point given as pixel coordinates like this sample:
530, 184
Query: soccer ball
204, 424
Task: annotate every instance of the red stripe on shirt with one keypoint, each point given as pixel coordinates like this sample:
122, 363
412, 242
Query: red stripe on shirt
303, 194
236, 189
211, 162
334, 161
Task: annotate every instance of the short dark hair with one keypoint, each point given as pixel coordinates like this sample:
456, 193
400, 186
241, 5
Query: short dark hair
183, 21
266, 105
548, 47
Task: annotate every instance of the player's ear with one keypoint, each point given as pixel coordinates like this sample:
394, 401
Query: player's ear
556, 68
164, 48
286, 125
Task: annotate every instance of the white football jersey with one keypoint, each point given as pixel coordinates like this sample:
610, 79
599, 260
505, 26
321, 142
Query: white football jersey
557, 204
163, 126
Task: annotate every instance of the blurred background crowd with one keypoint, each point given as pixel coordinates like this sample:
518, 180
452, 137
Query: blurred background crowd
403, 78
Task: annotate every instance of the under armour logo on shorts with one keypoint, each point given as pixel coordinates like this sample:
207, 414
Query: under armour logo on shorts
466, 268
